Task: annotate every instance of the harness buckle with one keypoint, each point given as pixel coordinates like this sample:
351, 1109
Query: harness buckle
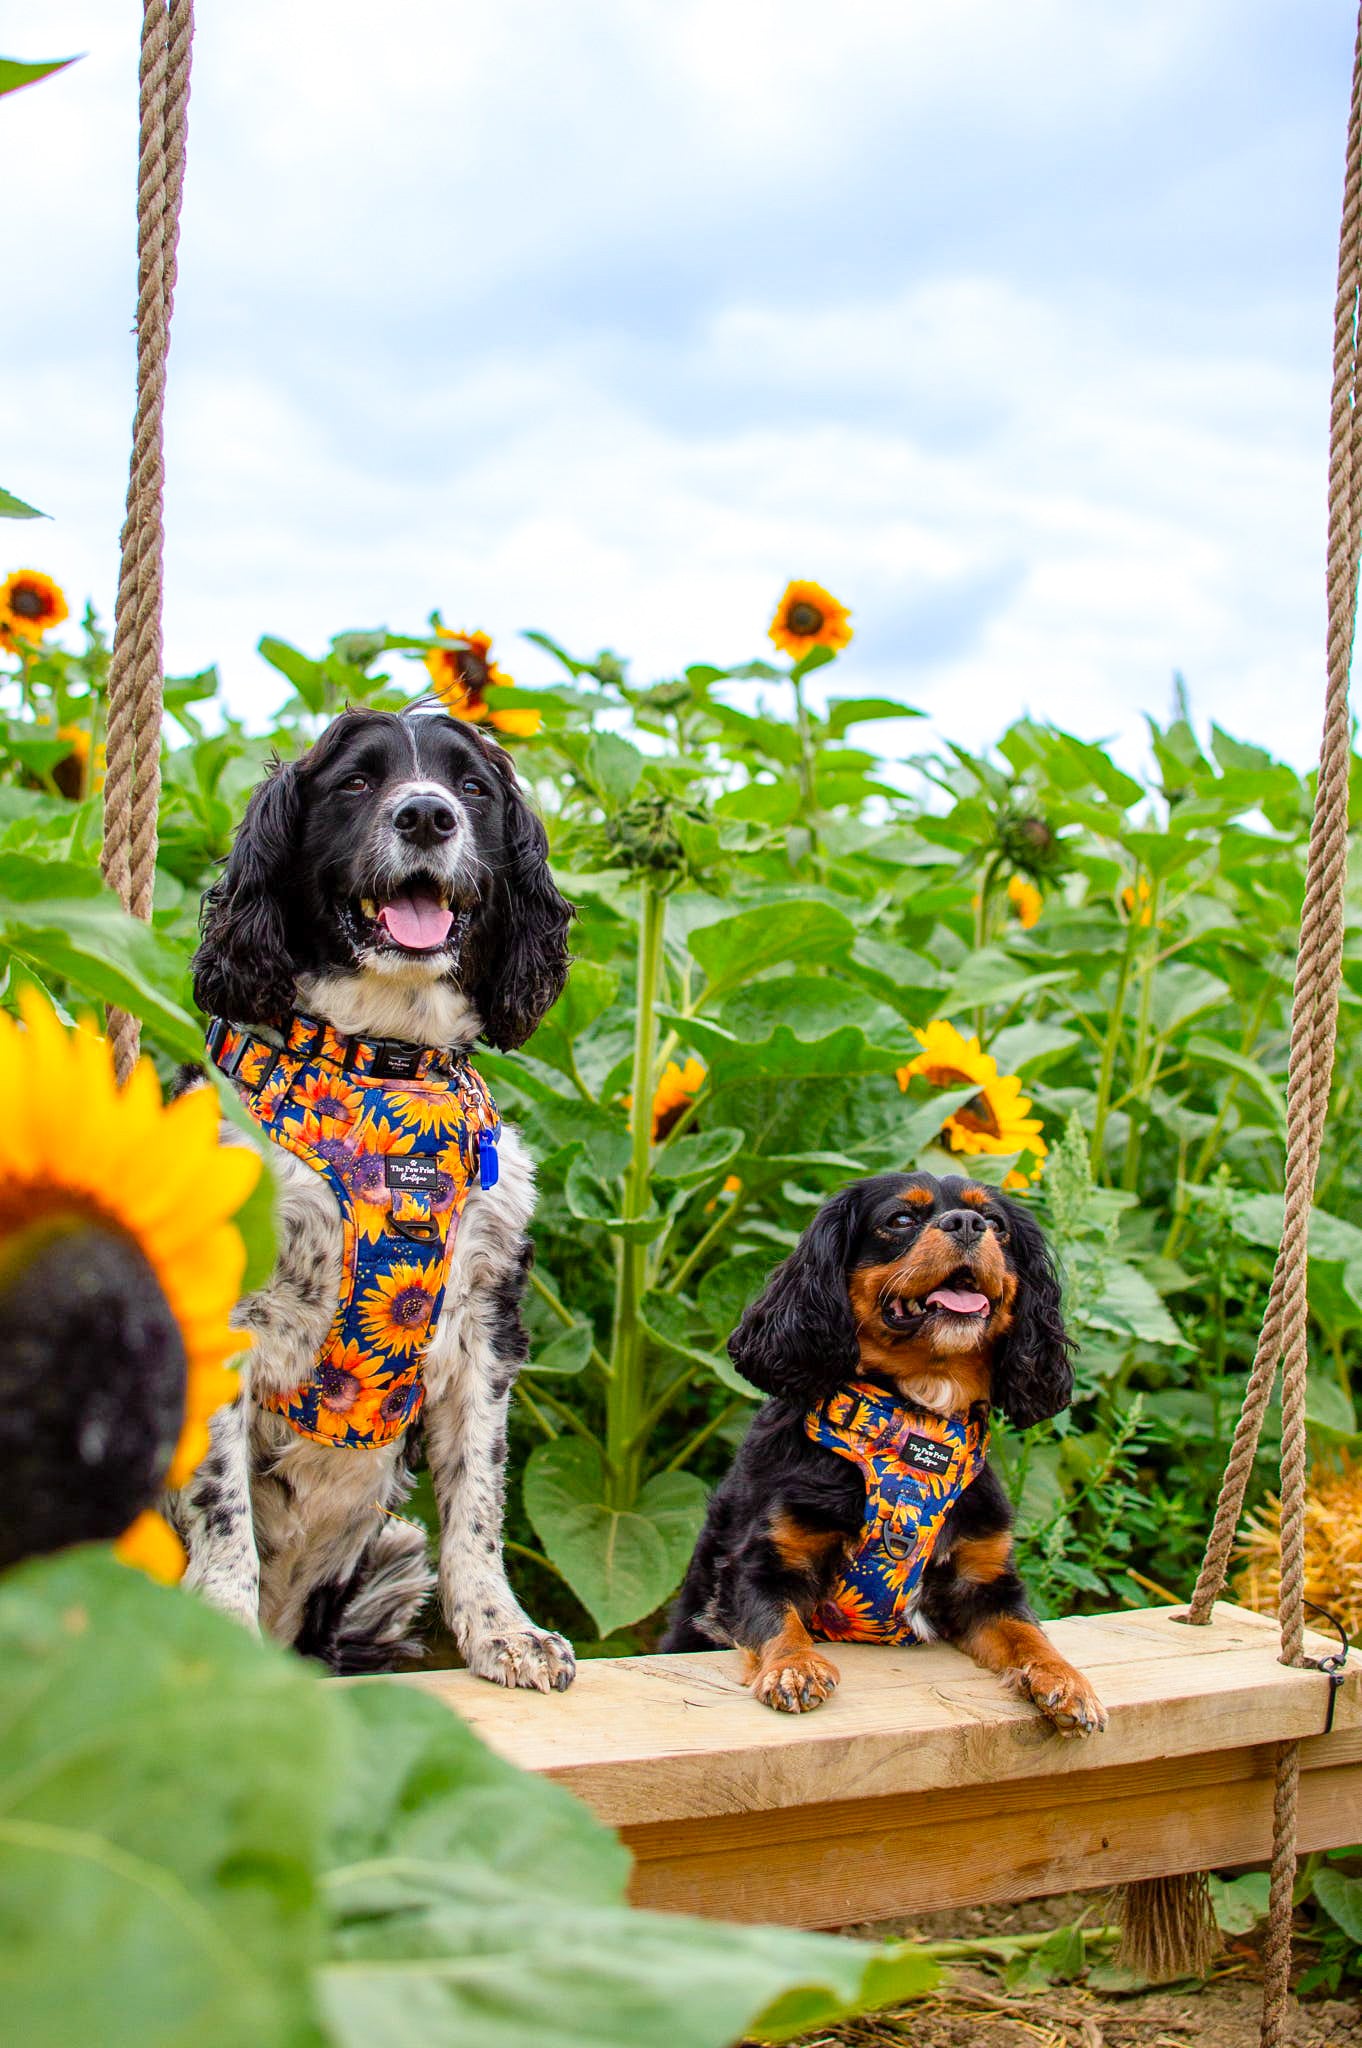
394, 1059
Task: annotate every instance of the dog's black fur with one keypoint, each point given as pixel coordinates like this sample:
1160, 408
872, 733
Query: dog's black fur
852, 1303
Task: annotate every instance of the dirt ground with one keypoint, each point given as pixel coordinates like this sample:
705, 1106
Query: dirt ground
973, 2009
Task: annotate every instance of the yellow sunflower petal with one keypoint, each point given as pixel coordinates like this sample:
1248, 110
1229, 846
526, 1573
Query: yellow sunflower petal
151, 1545
520, 724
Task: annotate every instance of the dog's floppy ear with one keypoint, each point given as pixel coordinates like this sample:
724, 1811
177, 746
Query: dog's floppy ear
243, 968
798, 1339
522, 956
1032, 1369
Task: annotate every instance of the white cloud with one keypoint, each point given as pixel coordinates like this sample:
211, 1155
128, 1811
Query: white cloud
608, 319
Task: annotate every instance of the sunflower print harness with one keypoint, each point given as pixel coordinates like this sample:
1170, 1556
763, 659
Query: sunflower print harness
916, 1467
399, 1132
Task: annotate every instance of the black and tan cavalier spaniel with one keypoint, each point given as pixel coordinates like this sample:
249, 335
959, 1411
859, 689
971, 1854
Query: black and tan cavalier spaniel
918, 1304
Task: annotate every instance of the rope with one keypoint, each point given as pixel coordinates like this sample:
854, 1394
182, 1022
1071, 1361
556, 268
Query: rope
1314, 1017
132, 784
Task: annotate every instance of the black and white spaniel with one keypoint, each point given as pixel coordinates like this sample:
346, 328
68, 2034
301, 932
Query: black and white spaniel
392, 883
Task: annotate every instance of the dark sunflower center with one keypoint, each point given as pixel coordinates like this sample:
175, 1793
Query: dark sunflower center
27, 603
977, 1115
410, 1307
804, 618
472, 672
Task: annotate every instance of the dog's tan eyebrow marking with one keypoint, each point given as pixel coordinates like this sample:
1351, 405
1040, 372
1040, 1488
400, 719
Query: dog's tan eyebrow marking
921, 1198
977, 1198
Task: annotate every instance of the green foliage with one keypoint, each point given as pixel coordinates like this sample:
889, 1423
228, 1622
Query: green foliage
768, 909
200, 1842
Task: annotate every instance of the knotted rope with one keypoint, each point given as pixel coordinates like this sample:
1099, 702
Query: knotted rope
1314, 1019
132, 785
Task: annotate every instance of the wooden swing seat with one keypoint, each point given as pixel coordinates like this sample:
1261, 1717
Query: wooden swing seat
923, 1784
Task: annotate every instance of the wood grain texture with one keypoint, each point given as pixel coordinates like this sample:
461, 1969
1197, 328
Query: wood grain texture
923, 1783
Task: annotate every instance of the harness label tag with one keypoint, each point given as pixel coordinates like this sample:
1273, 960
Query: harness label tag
395, 1062
412, 1173
925, 1454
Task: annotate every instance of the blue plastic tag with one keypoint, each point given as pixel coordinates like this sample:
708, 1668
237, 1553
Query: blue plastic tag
489, 1166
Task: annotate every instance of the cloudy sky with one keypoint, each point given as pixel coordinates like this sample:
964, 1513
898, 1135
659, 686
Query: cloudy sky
1008, 322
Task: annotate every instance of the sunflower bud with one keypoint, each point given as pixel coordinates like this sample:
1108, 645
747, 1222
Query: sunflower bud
1030, 842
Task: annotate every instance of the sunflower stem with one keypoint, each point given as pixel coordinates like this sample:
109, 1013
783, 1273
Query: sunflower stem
1111, 1043
807, 779
624, 1398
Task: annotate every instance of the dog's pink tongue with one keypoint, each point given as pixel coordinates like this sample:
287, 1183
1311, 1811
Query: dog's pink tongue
417, 919
958, 1300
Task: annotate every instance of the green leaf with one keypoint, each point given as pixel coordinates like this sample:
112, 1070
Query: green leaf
817, 657
615, 766
666, 1321
60, 920
739, 948
844, 712
307, 677
1239, 1903
157, 1834
1127, 1304
15, 508
1341, 1898
621, 1563
565, 1354
728, 1288
688, 1161
14, 75
991, 976
589, 1200
843, 1054
589, 994
1269, 1092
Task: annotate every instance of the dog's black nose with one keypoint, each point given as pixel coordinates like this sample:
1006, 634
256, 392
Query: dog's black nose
425, 820
965, 1225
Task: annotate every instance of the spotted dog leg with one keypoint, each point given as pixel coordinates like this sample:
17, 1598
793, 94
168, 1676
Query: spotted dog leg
479, 1348
212, 1514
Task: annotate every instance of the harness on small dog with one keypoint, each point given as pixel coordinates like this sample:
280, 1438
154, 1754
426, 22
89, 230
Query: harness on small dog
916, 1467
398, 1131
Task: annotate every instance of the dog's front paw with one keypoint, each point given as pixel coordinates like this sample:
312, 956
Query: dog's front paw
796, 1683
1064, 1696
525, 1656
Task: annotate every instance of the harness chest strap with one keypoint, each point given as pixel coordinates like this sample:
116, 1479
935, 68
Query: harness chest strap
916, 1466
399, 1132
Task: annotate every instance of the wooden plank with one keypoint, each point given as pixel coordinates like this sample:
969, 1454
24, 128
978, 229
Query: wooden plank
873, 1859
922, 1783
650, 1739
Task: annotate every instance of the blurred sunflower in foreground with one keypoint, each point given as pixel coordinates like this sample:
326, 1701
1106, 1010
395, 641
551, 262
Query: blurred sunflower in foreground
997, 1118
30, 604
1333, 1548
462, 673
807, 617
118, 1267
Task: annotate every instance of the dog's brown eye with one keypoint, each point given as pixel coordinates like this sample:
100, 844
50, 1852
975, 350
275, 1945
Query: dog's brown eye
355, 785
470, 786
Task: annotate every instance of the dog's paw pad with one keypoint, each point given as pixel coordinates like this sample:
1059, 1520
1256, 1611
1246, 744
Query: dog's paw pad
533, 1658
797, 1684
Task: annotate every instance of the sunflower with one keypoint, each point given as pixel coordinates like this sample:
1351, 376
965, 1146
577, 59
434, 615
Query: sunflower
30, 604
678, 1088
996, 1119
1135, 901
462, 672
1026, 901
155, 1176
1333, 1547
394, 1313
807, 617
